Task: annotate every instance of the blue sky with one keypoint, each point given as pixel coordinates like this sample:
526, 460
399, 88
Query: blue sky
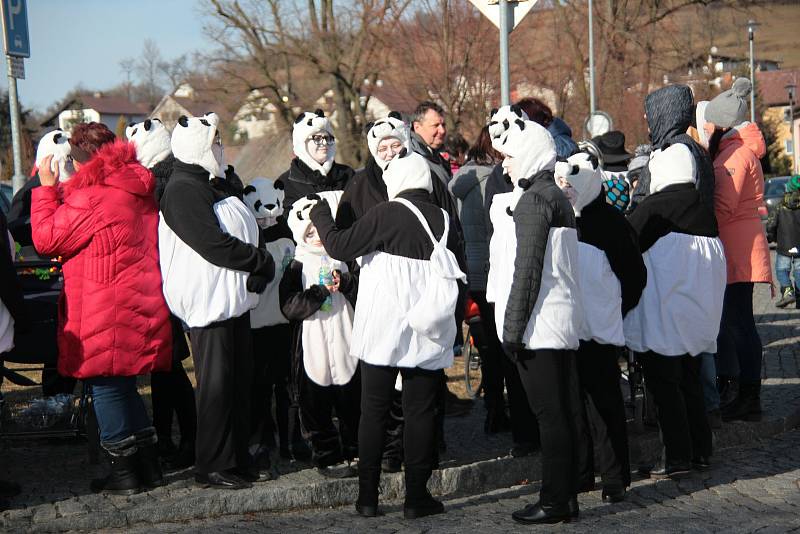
82, 41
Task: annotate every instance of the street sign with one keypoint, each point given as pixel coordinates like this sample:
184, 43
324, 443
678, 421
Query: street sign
15, 28
517, 9
16, 67
598, 123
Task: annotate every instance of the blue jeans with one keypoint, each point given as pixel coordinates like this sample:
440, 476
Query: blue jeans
708, 379
784, 266
118, 406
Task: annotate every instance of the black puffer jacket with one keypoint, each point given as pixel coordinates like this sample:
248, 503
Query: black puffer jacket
670, 111
543, 206
162, 171
783, 226
300, 181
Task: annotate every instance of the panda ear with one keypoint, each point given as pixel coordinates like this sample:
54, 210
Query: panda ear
520, 123
396, 115
183, 120
493, 112
300, 117
131, 124
319, 113
147, 125
594, 161
58, 130
248, 189
278, 184
516, 110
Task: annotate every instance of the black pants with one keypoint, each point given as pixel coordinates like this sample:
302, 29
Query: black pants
172, 391
738, 344
500, 368
393, 448
330, 445
674, 382
599, 374
271, 368
223, 359
419, 398
550, 378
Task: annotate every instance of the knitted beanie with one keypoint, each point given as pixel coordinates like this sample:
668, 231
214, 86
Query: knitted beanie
793, 184
729, 108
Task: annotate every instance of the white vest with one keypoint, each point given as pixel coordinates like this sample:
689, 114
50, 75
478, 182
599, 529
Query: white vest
601, 294
268, 312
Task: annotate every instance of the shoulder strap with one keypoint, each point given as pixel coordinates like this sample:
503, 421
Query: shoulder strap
419, 216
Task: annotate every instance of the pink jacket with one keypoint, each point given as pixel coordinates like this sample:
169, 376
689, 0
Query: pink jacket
738, 193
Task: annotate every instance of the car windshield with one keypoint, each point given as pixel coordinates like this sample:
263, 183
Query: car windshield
775, 187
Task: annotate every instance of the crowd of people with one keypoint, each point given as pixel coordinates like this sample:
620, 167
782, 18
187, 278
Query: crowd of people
322, 307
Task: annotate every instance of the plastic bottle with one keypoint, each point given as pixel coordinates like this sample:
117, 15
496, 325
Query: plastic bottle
326, 279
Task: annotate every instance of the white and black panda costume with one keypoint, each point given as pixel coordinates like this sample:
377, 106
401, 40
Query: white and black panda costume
171, 390
611, 277
398, 242
270, 328
679, 314
305, 176
324, 373
213, 269
533, 280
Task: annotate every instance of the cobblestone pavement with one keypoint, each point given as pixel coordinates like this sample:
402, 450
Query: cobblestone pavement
55, 474
751, 489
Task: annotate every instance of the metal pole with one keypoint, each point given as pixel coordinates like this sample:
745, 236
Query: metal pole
592, 106
505, 78
19, 178
791, 131
750, 32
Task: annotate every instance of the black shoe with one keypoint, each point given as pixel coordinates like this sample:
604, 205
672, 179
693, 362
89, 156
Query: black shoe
183, 459
701, 463
368, 510
612, 494
9, 489
253, 473
661, 470
422, 508
524, 449
574, 510
391, 465
746, 406
221, 480
714, 419
537, 514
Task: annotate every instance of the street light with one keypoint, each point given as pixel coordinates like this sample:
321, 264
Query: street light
751, 27
790, 89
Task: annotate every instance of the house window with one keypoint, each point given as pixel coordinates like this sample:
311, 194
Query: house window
789, 147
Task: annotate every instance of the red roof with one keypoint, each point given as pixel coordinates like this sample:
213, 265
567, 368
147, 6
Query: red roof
392, 98
112, 105
771, 86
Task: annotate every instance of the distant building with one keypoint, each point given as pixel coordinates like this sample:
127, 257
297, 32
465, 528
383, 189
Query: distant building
96, 108
771, 87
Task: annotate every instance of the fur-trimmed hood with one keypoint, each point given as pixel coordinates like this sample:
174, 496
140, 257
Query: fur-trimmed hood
115, 165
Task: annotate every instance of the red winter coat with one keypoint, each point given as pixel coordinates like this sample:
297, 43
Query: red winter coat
113, 320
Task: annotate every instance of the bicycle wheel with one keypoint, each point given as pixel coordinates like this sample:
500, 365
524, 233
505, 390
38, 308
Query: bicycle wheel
473, 378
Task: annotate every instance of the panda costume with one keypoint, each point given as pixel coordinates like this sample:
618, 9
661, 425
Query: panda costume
306, 175
611, 277
533, 280
324, 374
171, 390
213, 271
678, 316
271, 333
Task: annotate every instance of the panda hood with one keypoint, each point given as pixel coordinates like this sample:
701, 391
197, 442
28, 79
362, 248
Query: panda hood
299, 220
56, 144
584, 175
391, 126
194, 141
408, 170
671, 166
265, 197
305, 125
528, 146
152, 141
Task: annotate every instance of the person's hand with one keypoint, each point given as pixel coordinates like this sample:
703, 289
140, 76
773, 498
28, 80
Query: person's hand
257, 283
46, 176
337, 279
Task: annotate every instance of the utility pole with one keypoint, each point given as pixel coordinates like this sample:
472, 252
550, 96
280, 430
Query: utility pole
18, 46
592, 105
505, 77
751, 27
18, 180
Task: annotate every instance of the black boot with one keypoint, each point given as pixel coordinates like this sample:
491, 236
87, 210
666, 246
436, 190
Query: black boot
747, 406
122, 479
419, 502
182, 459
148, 467
367, 503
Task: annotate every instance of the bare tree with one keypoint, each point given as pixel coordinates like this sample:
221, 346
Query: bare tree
127, 66
176, 71
147, 69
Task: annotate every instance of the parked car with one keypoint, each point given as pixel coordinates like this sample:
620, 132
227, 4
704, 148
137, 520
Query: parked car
6, 194
773, 194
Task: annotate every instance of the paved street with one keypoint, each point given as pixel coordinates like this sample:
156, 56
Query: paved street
755, 488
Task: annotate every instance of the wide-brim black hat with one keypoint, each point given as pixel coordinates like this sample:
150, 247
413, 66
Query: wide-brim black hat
612, 145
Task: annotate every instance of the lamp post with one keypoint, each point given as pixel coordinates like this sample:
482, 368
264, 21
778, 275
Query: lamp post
751, 27
591, 59
790, 89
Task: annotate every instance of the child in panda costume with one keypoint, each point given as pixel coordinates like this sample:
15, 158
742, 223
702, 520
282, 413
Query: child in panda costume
325, 376
408, 288
213, 271
313, 169
271, 333
534, 283
172, 391
611, 278
679, 314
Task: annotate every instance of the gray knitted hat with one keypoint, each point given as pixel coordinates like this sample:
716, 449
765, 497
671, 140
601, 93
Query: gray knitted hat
729, 108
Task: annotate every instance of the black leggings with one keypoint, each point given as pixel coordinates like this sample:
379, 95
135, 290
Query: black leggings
738, 344
173, 391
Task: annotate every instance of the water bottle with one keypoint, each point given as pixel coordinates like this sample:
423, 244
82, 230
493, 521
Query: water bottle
326, 279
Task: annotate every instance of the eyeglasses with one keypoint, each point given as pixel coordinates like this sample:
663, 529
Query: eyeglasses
394, 147
323, 140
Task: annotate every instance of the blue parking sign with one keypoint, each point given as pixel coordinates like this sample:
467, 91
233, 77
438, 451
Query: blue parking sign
15, 28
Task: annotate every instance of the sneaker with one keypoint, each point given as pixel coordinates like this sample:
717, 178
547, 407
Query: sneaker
787, 298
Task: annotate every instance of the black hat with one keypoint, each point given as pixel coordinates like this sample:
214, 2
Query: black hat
612, 145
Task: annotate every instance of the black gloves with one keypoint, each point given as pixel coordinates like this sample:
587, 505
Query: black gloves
257, 283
